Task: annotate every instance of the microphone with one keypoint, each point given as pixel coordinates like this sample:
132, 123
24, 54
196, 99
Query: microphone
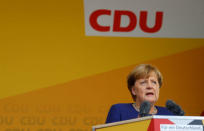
174, 108
144, 109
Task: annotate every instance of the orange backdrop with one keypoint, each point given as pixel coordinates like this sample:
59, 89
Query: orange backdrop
55, 78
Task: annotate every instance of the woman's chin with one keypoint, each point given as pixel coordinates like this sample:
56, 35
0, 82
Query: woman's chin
150, 100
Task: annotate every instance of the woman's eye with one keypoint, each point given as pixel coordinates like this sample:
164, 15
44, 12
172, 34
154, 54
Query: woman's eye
142, 82
154, 82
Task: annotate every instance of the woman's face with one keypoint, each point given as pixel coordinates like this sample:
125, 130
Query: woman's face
146, 89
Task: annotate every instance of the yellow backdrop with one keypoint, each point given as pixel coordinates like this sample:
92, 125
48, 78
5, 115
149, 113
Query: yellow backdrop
55, 78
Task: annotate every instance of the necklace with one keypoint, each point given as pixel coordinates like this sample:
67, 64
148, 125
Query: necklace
138, 110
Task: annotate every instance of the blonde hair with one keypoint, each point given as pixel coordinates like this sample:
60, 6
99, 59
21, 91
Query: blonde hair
142, 71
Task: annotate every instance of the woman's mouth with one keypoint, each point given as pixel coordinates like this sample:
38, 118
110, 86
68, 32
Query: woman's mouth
149, 94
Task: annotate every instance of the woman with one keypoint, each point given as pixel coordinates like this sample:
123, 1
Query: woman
144, 83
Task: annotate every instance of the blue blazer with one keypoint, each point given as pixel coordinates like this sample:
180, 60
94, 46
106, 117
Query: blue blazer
120, 112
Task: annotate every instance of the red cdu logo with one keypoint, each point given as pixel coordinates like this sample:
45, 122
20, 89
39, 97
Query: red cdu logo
134, 21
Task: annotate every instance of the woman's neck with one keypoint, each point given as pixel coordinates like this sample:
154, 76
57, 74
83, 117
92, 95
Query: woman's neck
153, 109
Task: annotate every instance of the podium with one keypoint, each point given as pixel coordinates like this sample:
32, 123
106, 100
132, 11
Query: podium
156, 123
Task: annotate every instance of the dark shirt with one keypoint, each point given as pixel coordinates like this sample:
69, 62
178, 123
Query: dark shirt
120, 112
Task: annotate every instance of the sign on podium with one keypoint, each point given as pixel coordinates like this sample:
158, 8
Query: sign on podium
156, 123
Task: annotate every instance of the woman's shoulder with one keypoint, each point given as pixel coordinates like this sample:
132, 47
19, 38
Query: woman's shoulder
121, 111
122, 105
122, 108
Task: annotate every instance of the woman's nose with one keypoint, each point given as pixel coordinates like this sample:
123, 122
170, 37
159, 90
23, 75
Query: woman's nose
149, 85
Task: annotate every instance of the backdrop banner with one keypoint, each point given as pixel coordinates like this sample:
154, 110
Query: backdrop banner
144, 18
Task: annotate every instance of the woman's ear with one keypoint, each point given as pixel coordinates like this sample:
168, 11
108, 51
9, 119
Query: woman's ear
133, 90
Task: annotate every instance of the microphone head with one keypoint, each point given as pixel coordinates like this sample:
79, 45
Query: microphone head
144, 108
174, 108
